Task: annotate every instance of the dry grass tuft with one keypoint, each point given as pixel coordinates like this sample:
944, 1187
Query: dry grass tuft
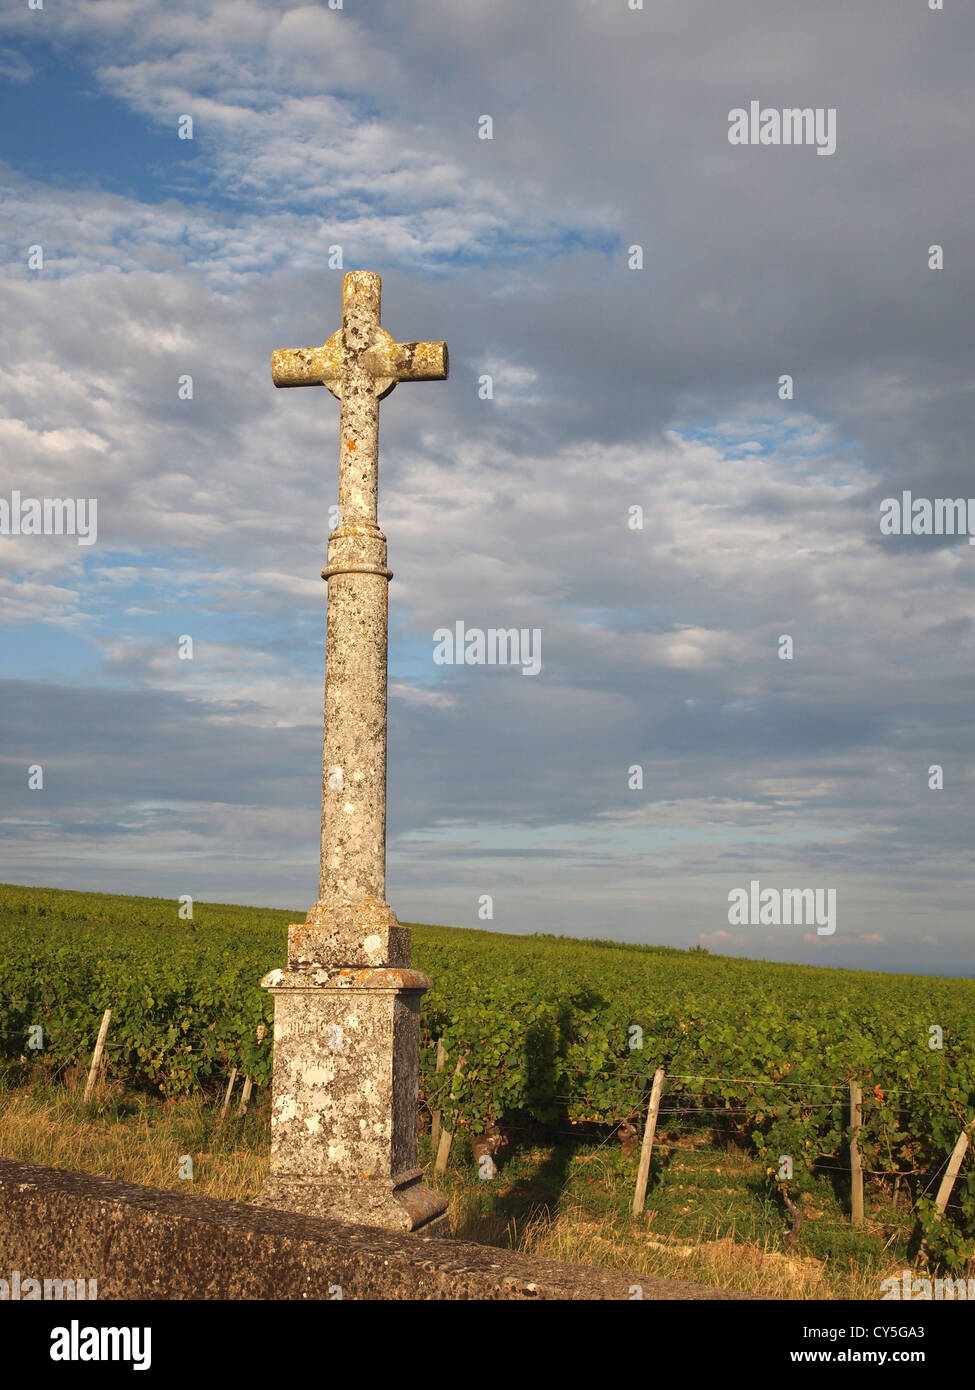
741, 1266
140, 1142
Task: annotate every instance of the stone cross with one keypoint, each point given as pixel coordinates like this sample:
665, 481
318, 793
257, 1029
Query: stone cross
346, 1025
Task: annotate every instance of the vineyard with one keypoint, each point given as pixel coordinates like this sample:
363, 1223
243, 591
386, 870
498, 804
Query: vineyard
553, 1032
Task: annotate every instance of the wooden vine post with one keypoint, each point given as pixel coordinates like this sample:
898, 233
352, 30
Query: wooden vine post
856, 1163
446, 1135
435, 1129
226, 1100
646, 1149
952, 1171
248, 1086
96, 1058
950, 1177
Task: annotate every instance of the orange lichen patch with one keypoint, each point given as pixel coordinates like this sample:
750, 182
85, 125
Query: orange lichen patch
351, 444
298, 933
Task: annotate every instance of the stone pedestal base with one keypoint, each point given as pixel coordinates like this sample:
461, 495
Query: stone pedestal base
344, 1098
410, 1206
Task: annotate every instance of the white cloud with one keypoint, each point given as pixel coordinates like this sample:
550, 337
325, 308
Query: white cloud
14, 67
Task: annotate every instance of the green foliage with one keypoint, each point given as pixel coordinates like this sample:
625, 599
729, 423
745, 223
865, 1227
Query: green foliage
184, 996
545, 1024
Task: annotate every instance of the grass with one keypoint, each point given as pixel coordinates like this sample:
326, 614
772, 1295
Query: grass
708, 1216
137, 1138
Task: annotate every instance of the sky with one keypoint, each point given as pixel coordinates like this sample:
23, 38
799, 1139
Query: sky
620, 393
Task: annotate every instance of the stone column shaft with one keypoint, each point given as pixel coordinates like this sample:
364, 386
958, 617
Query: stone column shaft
353, 861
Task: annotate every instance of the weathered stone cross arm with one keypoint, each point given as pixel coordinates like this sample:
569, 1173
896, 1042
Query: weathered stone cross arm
360, 364
325, 365
360, 343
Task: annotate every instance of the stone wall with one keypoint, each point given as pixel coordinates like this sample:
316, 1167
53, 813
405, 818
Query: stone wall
144, 1242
